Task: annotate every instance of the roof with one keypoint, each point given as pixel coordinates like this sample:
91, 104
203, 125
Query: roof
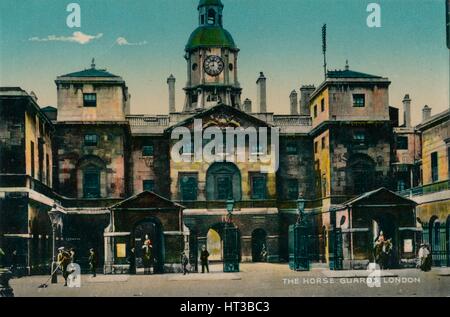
347, 73
91, 72
210, 3
147, 200
219, 109
210, 36
379, 197
434, 120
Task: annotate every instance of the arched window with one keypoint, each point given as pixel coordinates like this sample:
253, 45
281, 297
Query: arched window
91, 177
211, 16
360, 174
223, 181
91, 182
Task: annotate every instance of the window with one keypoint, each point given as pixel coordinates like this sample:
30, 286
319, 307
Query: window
291, 148
224, 187
188, 187
90, 140
324, 142
434, 167
359, 100
259, 187
147, 150
316, 147
91, 182
359, 138
194, 67
402, 143
257, 148
202, 18
322, 105
211, 16
89, 100
292, 189
47, 169
315, 111
401, 185
148, 185
32, 158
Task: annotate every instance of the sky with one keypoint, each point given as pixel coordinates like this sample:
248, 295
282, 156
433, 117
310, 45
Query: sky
143, 41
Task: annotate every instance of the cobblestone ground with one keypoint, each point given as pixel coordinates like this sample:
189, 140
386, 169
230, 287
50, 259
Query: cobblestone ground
254, 280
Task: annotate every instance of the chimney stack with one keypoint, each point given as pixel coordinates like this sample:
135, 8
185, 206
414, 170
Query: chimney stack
407, 111
171, 82
248, 106
33, 96
261, 93
426, 113
294, 102
305, 96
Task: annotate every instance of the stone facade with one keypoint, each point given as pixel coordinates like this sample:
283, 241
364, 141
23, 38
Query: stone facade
113, 175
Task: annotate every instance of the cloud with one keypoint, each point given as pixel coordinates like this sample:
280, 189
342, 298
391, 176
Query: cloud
77, 37
121, 41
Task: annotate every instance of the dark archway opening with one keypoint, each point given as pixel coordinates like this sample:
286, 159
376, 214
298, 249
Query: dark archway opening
259, 246
148, 231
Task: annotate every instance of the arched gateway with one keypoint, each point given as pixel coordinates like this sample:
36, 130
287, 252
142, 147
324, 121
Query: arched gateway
145, 222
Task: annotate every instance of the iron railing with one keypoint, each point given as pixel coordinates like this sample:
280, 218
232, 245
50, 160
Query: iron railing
426, 189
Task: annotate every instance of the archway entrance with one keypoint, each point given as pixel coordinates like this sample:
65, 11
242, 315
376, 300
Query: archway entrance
259, 246
148, 242
386, 225
214, 244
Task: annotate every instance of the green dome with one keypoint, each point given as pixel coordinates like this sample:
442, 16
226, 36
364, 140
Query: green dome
210, 36
210, 3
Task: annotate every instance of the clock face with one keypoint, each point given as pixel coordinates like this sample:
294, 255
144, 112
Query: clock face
214, 65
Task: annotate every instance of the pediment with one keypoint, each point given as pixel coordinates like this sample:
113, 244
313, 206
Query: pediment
147, 200
222, 116
380, 197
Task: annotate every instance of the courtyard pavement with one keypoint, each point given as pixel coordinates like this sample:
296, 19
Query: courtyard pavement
254, 280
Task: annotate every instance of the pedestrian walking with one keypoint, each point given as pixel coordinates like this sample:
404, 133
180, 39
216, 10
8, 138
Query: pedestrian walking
204, 255
93, 262
64, 259
2, 256
184, 262
132, 261
424, 258
13, 267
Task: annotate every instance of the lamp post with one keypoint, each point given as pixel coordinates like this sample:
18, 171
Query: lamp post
54, 216
230, 241
298, 239
301, 208
230, 208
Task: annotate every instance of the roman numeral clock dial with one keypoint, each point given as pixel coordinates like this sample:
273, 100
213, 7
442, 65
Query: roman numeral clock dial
214, 65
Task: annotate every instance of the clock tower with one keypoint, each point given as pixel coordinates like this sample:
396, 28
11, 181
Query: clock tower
211, 56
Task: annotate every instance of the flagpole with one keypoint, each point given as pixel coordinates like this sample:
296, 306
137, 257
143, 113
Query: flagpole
324, 49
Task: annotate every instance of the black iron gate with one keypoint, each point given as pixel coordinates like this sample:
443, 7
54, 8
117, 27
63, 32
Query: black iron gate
298, 248
439, 241
335, 249
230, 249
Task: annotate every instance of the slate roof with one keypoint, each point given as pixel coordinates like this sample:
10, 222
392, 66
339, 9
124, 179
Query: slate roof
91, 72
347, 73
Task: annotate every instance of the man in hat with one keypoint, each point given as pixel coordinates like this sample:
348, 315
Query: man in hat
93, 262
424, 255
64, 260
204, 255
184, 262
